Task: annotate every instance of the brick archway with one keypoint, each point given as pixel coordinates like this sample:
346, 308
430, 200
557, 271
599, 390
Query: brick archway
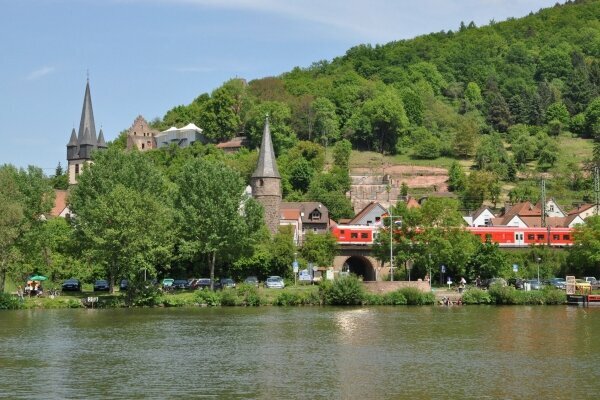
360, 266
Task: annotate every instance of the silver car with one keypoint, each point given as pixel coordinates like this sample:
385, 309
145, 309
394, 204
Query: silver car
274, 282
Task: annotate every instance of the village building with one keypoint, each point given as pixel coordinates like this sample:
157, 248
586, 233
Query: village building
140, 136
84, 142
233, 145
585, 210
182, 137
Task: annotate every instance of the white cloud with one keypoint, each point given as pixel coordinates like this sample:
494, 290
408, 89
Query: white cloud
39, 73
378, 20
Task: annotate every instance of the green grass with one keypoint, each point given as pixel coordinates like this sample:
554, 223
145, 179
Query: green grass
371, 159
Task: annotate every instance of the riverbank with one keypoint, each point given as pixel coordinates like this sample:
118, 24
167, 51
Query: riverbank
342, 292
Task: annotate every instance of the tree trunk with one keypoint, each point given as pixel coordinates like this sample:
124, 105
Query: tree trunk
2, 278
212, 270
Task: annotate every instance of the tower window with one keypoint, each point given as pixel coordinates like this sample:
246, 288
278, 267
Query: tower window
76, 169
261, 183
143, 145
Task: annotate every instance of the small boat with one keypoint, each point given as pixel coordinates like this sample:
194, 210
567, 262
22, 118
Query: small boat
583, 299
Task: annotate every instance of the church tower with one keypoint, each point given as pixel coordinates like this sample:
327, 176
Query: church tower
80, 146
266, 181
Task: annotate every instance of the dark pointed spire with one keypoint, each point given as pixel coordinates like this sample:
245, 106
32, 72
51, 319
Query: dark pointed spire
101, 143
73, 140
267, 164
87, 118
72, 146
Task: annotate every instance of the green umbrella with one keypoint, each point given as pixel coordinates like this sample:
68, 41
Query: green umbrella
38, 278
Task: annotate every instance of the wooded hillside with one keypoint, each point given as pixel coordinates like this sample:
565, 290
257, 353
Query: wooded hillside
507, 97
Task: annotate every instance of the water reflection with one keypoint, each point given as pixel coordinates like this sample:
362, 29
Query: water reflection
312, 352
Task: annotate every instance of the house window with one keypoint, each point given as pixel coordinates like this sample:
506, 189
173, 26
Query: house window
364, 235
315, 215
354, 235
315, 230
377, 219
530, 236
541, 237
555, 237
551, 208
566, 237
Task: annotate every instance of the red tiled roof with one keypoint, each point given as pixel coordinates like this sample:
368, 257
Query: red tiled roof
60, 202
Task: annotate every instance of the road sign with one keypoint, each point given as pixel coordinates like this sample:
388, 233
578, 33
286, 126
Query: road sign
295, 266
443, 269
515, 267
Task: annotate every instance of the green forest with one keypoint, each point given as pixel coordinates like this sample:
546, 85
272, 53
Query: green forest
499, 105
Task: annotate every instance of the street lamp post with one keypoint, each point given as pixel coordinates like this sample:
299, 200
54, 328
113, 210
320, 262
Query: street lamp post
391, 245
538, 268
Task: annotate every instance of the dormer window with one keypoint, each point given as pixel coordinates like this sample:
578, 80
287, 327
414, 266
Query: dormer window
315, 215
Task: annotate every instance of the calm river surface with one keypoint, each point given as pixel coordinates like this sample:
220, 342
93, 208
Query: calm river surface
480, 352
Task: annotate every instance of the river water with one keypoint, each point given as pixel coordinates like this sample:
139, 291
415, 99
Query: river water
478, 352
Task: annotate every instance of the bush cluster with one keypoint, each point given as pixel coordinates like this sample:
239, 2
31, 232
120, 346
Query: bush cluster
512, 296
343, 291
9, 302
476, 296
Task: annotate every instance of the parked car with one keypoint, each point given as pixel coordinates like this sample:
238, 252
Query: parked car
167, 282
227, 283
534, 284
516, 282
558, 283
71, 285
123, 285
180, 284
274, 282
202, 283
251, 280
101, 285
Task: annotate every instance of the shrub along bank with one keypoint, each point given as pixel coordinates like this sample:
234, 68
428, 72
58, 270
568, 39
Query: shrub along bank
509, 295
344, 291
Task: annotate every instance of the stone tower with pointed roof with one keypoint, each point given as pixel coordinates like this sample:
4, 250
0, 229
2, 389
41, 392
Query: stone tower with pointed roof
266, 181
81, 145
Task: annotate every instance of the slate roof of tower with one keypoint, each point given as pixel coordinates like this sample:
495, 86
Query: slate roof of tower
87, 119
73, 140
101, 141
267, 164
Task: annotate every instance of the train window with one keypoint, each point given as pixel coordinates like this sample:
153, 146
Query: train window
354, 235
364, 235
342, 232
541, 237
566, 237
555, 237
530, 236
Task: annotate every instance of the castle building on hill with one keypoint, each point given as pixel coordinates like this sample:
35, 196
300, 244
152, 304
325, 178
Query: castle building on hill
82, 143
140, 136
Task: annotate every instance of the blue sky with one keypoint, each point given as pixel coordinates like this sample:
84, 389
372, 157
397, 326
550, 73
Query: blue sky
147, 56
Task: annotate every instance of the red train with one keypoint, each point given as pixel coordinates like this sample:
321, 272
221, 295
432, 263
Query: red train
505, 236
355, 234
512, 236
